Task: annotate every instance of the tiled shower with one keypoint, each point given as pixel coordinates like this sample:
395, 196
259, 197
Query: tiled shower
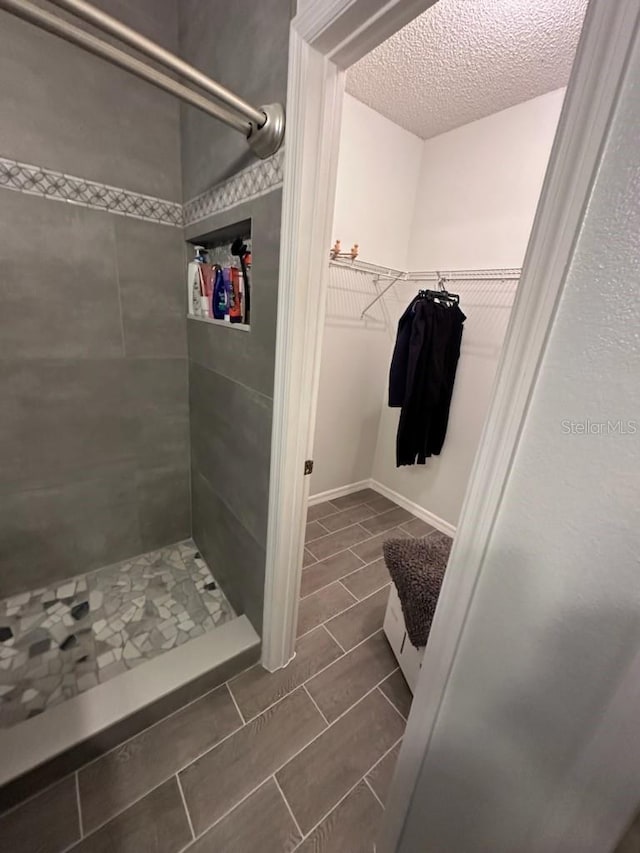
134, 443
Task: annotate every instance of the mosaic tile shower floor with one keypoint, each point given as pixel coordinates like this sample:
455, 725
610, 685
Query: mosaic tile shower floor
59, 641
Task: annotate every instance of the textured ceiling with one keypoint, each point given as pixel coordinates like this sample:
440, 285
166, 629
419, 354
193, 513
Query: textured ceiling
462, 60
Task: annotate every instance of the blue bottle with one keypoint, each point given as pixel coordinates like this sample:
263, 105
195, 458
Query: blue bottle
220, 296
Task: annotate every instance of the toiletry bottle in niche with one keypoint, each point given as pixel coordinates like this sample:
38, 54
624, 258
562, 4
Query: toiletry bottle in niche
195, 282
226, 274
235, 308
208, 273
220, 296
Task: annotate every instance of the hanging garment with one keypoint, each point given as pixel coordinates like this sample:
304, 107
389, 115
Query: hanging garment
422, 375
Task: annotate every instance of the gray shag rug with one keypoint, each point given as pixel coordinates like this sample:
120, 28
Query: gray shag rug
417, 569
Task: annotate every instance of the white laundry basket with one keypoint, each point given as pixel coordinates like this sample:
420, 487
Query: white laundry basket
409, 658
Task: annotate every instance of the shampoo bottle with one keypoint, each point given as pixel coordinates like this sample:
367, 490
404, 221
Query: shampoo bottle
220, 296
195, 282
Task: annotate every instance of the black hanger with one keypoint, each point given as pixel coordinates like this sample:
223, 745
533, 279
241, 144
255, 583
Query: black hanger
441, 294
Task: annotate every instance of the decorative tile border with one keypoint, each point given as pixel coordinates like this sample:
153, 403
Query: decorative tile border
256, 180
36, 180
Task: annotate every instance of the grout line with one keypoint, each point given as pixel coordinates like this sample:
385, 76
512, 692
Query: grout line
184, 803
307, 680
356, 600
79, 804
321, 712
233, 699
341, 578
387, 698
320, 588
291, 757
362, 541
366, 539
183, 707
239, 728
335, 639
286, 802
233, 807
350, 791
370, 787
208, 692
325, 816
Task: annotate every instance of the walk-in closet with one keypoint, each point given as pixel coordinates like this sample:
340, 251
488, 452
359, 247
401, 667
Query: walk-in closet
443, 153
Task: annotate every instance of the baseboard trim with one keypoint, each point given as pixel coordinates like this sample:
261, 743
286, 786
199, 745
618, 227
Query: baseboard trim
340, 492
419, 511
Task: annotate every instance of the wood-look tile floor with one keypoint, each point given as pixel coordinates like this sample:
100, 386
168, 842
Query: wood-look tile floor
300, 759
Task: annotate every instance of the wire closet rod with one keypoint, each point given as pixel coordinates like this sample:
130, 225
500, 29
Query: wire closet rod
396, 276
263, 127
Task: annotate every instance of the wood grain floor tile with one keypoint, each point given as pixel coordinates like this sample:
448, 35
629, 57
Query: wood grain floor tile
354, 499
332, 543
111, 783
395, 688
347, 517
260, 824
371, 549
314, 530
386, 520
370, 578
322, 605
352, 826
381, 504
316, 779
417, 527
382, 774
157, 822
48, 823
217, 781
348, 679
307, 559
318, 511
360, 621
256, 689
326, 571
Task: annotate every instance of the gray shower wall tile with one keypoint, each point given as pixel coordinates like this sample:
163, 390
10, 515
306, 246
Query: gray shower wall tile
234, 556
37, 544
59, 281
116, 511
158, 404
49, 534
245, 46
231, 445
151, 276
62, 417
164, 506
76, 113
246, 357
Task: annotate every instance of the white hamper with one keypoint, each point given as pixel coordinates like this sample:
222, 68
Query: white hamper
409, 658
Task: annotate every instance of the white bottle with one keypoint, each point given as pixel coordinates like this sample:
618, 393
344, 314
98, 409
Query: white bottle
194, 283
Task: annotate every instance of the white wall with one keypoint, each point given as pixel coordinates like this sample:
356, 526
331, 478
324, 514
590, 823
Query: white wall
479, 187
376, 190
463, 200
553, 628
477, 195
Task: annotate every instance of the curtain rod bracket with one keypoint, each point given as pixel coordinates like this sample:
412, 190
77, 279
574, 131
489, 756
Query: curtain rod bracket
266, 139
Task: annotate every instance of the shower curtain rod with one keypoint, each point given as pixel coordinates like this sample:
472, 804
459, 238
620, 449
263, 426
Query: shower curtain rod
263, 127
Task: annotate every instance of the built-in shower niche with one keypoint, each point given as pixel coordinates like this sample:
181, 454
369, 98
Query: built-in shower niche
219, 278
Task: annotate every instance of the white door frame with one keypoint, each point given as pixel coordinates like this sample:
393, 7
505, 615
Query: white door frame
327, 37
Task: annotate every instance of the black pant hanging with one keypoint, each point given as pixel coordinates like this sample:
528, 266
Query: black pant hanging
423, 370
